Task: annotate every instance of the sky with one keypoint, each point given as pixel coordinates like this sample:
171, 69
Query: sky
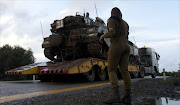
153, 23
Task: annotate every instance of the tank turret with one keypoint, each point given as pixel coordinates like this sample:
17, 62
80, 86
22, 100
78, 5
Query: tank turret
75, 37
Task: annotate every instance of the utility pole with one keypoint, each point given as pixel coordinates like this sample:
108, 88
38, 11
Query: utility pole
164, 74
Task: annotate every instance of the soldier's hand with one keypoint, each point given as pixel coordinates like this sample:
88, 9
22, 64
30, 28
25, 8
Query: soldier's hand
101, 39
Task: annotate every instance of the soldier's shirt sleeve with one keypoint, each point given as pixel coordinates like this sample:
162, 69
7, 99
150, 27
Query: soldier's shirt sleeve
111, 29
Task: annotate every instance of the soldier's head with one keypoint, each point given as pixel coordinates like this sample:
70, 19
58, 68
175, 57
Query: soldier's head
87, 14
116, 12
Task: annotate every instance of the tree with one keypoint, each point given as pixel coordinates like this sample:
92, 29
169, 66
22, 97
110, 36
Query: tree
13, 57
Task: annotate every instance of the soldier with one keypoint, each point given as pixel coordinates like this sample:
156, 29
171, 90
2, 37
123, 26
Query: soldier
127, 29
118, 54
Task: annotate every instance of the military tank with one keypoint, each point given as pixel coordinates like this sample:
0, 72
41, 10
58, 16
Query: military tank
75, 37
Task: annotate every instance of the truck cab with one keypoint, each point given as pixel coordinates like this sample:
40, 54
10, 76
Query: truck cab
149, 59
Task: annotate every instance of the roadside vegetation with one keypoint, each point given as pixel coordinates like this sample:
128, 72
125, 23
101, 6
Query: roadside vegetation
174, 74
174, 78
12, 57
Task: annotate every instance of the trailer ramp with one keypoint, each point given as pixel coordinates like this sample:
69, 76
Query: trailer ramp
28, 69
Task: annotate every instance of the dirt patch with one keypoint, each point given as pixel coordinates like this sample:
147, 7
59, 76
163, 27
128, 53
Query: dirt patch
151, 90
144, 92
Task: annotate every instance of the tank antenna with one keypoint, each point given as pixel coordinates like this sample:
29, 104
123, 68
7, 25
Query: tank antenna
41, 29
134, 40
84, 12
96, 9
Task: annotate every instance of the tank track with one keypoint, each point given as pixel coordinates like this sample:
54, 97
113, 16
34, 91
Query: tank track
48, 54
95, 49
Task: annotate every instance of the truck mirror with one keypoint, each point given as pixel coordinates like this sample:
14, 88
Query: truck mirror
158, 57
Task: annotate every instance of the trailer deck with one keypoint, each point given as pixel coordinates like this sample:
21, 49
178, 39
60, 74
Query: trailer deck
67, 67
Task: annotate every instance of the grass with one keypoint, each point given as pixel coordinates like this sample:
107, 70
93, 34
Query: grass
172, 80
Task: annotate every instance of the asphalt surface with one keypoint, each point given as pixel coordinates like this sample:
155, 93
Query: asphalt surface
8, 88
15, 88
20, 92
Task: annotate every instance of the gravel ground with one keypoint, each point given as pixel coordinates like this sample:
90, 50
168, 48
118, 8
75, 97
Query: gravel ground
144, 92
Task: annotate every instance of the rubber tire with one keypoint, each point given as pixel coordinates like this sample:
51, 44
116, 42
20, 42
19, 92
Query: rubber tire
141, 74
135, 74
101, 77
90, 76
153, 75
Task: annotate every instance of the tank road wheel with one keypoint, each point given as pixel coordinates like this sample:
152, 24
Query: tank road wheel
135, 74
90, 76
96, 50
141, 72
48, 54
101, 74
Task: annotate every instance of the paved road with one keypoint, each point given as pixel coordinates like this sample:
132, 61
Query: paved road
29, 92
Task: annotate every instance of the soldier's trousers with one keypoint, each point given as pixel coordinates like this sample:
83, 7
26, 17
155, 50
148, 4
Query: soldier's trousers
119, 57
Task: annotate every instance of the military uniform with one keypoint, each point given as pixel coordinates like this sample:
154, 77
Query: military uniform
127, 29
118, 54
119, 51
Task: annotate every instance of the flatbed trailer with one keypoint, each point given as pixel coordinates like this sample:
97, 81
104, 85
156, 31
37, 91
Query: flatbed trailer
91, 68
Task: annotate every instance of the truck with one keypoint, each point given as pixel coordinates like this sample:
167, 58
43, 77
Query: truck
149, 59
74, 50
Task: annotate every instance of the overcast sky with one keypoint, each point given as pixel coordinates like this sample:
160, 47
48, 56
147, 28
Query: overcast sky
153, 23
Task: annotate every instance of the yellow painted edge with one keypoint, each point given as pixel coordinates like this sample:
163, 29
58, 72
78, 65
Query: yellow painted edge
41, 93
34, 70
133, 67
79, 69
90, 63
83, 67
74, 70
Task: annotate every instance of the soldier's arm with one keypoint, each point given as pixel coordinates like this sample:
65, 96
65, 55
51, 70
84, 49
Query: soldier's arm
127, 28
111, 30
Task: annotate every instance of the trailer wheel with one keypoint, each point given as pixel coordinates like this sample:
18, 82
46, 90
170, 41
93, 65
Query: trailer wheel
90, 76
135, 74
141, 74
101, 74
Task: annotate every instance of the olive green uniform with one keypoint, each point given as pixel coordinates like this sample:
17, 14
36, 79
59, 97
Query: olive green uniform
127, 29
118, 53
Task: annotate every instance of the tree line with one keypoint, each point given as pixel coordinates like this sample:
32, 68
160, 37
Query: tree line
175, 74
12, 57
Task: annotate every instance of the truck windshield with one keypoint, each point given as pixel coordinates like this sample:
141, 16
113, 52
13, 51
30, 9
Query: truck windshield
146, 59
